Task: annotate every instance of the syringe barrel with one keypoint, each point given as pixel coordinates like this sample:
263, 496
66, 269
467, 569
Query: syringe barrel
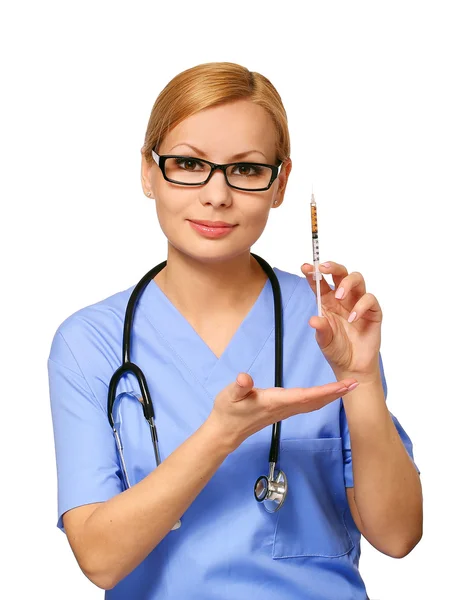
314, 232
314, 219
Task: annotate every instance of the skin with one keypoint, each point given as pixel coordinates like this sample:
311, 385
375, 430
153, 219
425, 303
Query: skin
221, 283
387, 502
223, 266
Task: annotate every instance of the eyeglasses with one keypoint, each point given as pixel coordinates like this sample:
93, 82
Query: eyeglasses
187, 170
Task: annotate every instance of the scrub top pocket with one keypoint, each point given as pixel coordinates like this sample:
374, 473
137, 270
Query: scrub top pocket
312, 520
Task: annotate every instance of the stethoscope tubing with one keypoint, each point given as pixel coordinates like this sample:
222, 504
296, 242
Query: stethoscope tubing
128, 366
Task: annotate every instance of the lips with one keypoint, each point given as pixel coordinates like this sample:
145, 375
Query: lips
211, 223
208, 230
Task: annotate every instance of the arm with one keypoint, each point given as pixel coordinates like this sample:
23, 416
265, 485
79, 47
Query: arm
386, 500
112, 531
109, 539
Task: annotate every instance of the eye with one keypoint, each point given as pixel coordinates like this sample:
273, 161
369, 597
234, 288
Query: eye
247, 170
191, 162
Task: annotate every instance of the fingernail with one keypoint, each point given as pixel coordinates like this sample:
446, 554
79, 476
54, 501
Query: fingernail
342, 390
326, 264
352, 317
340, 293
353, 386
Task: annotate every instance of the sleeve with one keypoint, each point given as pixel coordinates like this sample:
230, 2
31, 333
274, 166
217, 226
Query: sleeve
346, 445
86, 456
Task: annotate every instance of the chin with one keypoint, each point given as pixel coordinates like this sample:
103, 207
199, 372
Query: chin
203, 252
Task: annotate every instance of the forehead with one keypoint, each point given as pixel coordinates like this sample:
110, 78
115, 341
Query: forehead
225, 130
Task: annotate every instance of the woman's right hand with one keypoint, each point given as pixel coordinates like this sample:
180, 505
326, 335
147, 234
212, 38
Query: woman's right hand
240, 409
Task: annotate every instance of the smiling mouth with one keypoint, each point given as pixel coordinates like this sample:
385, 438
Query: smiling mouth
212, 224
210, 230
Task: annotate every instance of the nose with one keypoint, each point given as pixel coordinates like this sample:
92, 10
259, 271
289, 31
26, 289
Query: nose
216, 191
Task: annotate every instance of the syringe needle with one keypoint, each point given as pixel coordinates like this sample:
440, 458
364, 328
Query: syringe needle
315, 240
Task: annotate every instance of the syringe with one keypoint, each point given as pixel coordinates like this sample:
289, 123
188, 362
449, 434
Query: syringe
314, 233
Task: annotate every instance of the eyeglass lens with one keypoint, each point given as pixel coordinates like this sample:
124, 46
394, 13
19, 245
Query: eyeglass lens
244, 175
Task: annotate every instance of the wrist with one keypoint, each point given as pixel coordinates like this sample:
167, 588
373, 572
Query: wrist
221, 439
369, 378
367, 414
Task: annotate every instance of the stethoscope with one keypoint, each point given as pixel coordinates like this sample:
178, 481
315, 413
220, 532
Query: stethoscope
270, 489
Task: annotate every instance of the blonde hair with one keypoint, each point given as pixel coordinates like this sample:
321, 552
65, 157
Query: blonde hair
212, 84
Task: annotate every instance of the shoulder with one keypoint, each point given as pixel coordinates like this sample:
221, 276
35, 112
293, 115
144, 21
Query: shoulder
99, 323
297, 295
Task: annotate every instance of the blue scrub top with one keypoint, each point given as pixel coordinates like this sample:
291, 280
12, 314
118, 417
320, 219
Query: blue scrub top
228, 546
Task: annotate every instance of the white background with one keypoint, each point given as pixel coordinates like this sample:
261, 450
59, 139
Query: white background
377, 101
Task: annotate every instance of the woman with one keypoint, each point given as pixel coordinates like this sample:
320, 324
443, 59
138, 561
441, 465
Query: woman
203, 333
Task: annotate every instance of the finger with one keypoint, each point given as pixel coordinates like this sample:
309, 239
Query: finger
241, 387
353, 286
308, 271
338, 272
315, 398
367, 305
324, 329
307, 394
311, 399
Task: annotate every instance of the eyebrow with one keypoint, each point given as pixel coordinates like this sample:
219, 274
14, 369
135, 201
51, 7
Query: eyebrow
201, 153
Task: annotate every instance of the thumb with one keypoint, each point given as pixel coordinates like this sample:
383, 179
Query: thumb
242, 386
324, 333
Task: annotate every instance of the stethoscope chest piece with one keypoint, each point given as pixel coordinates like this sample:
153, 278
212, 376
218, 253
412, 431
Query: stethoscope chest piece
271, 491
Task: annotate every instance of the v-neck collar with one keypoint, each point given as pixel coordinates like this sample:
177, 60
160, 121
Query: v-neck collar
192, 353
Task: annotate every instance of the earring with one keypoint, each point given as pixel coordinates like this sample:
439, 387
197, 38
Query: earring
148, 194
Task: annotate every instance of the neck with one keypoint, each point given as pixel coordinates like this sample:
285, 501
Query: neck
207, 288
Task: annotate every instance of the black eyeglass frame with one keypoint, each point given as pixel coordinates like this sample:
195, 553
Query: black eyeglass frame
161, 160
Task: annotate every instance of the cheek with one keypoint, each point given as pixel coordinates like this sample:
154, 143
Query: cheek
256, 218
171, 213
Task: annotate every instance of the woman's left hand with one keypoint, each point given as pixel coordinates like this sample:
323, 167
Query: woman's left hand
350, 348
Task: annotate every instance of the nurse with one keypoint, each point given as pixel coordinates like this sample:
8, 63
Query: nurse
203, 334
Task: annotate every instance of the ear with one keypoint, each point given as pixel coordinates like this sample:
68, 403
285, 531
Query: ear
283, 180
145, 176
